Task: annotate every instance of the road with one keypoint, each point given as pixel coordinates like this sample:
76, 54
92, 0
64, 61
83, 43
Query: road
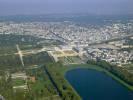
20, 55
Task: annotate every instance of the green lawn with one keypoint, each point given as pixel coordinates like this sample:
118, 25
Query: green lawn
42, 87
18, 82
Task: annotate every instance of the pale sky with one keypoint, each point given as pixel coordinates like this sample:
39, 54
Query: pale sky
15, 7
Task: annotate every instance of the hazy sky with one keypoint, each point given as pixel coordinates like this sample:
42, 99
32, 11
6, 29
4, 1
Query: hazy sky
14, 7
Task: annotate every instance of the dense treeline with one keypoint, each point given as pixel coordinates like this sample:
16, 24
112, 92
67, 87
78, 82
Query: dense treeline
121, 72
10, 62
37, 59
11, 39
7, 50
67, 92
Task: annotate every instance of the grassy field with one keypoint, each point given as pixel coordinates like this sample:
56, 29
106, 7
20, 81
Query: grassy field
18, 82
41, 87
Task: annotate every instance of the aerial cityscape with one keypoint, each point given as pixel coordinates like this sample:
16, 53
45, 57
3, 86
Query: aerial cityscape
66, 56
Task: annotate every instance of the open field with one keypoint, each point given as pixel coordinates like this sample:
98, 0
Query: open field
18, 82
39, 84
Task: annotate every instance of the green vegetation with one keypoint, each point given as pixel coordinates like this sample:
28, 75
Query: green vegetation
10, 39
94, 66
18, 82
30, 47
37, 59
40, 85
6, 89
8, 57
10, 62
65, 89
7, 50
37, 85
